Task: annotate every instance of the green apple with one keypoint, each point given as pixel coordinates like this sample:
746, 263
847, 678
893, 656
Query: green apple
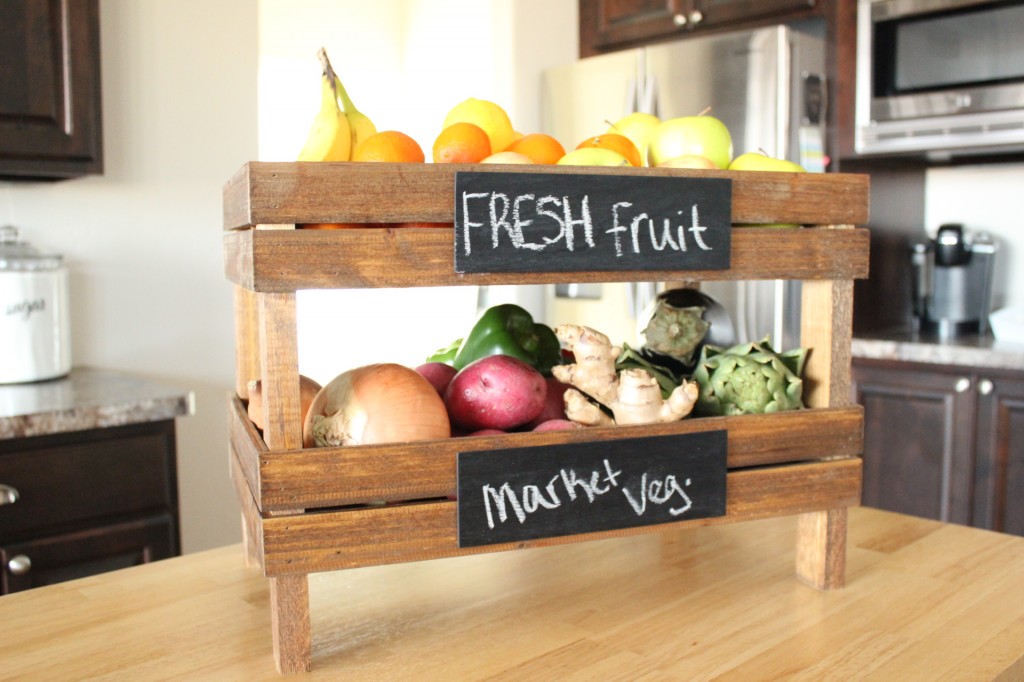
702, 135
760, 161
637, 127
689, 161
593, 156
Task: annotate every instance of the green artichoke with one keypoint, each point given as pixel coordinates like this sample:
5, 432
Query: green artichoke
676, 331
749, 378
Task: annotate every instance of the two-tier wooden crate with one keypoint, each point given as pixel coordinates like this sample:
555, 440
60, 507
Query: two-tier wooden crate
304, 510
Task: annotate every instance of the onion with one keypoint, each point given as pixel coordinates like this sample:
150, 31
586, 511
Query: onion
307, 391
380, 403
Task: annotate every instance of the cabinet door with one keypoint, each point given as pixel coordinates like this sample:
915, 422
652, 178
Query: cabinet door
918, 439
612, 22
999, 488
87, 552
50, 113
722, 12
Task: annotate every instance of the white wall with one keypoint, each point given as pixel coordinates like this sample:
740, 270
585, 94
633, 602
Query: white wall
180, 103
143, 241
984, 198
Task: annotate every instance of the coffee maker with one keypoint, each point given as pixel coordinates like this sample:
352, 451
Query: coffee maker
952, 278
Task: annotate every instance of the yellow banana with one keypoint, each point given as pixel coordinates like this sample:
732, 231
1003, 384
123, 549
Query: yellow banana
330, 137
362, 126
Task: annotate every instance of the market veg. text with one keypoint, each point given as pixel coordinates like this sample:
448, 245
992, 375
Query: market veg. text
504, 217
565, 487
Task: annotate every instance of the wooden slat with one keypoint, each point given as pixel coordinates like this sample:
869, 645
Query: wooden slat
279, 359
295, 192
348, 539
326, 477
826, 326
289, 260
821, 548
247, 341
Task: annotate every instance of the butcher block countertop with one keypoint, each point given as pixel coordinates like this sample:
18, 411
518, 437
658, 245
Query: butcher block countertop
924, 601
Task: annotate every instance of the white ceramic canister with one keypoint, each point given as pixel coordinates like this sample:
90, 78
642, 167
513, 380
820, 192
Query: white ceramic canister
35, 331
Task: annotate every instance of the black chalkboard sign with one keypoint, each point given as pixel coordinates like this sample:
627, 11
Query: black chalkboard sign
527, 493
534, 222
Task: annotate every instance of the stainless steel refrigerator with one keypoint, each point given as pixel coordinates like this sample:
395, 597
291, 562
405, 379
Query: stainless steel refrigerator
766, 85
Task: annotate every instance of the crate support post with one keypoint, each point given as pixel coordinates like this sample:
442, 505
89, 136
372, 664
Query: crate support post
826, 327
279, 356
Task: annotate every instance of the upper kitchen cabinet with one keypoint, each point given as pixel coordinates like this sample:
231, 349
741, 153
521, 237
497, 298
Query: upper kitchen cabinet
50, 108
613, 24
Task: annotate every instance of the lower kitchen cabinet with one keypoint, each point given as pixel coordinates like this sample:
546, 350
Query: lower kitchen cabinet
943, 442
80, 503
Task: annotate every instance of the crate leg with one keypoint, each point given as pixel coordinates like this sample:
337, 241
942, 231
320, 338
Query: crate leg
289, 613
821, 548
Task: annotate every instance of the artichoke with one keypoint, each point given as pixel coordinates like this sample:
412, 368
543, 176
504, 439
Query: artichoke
748, 378
676, 331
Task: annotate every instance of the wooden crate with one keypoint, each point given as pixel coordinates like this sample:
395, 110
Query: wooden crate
308, 510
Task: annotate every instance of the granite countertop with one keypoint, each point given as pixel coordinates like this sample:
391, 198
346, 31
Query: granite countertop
909, 345
87, 399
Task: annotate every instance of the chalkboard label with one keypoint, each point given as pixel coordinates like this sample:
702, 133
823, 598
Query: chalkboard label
533, 222
527, 493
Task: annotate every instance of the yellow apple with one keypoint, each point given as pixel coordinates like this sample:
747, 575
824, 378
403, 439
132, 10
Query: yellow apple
702, 135
759, 161
507, 157
593, 156
637, 127
689, 161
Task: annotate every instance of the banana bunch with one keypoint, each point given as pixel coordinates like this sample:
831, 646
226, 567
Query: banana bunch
339, 126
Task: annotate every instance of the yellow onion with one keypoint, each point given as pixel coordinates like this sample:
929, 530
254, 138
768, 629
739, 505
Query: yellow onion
379, 403
308, 389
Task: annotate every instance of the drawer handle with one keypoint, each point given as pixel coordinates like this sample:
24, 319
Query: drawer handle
985, 386
19, 565
962, 384
8, 494
679, 20
696, 16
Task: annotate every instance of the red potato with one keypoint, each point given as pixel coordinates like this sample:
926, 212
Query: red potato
487, 432
495, 392
438, 374
557, 425
554, 404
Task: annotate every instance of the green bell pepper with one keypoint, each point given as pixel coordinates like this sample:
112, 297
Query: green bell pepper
508, 329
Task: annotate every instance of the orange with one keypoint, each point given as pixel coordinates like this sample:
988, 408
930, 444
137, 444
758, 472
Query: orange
617, 143
389, 145
539, 147
462, 143
489, 116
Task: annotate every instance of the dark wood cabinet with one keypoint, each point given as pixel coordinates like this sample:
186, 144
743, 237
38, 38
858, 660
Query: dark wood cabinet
614, 24
50, 108
943, 442
87, 502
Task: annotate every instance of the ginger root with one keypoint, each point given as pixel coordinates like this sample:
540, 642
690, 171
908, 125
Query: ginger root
633, 396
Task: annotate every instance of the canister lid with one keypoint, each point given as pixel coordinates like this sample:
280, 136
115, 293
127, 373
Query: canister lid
22, 256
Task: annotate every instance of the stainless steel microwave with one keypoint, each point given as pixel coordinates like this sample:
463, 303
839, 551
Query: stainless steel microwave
939, 77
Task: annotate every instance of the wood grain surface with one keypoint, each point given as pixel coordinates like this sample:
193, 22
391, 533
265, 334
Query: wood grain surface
295, 192
923, 601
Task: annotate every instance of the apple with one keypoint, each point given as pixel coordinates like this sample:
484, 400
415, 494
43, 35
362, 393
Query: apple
689, 161
507, 157
593, 156
702, 135
637, 127
760, 161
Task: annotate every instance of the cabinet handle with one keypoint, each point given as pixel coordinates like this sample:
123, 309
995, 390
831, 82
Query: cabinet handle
962, 384
8, 494
19, 565
679, 20
985, 386
696, 16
